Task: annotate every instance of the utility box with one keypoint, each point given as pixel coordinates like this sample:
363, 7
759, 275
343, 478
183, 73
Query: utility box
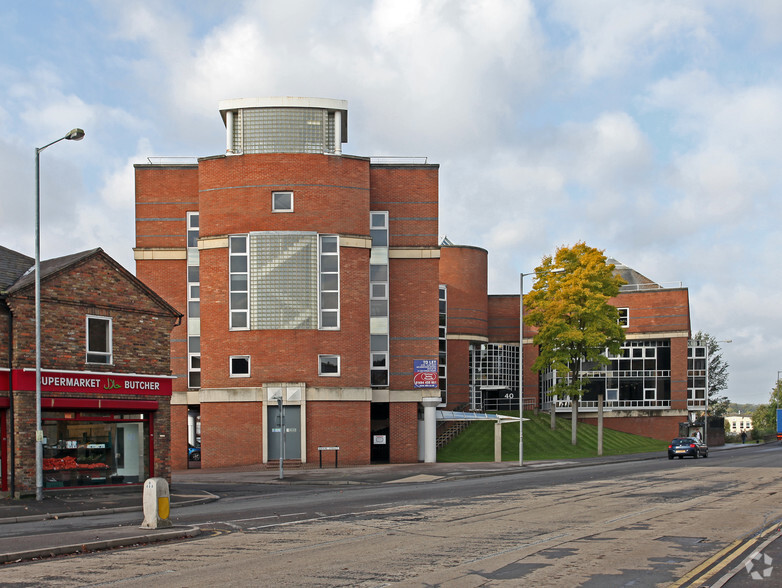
157, 504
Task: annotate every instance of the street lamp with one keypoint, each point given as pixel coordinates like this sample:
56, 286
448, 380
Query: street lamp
72, 135
557, 270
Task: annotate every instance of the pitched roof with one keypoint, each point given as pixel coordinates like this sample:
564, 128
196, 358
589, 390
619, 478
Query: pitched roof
630, 276
50, 267
54, 266
13, 265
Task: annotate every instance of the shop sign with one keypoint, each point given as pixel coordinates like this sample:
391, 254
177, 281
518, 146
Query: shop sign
425, 373
92, 382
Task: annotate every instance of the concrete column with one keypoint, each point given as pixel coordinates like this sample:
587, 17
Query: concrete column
430, 429
338, 132
497, 441
229, 131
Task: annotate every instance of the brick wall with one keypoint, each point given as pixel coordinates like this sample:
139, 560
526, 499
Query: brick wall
179, 437
664, 428
339, 424
464, 270
231, 434
330, 194
403, 439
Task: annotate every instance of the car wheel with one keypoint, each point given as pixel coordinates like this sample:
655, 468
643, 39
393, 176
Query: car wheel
706, 454
195, 456
695, 455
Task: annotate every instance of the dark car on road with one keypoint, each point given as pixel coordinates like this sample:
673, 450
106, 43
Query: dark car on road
687, 446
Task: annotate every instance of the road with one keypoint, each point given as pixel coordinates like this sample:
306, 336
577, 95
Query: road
643, 523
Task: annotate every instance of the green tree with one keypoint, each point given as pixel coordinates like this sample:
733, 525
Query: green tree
764, 419
569, 305
718, 374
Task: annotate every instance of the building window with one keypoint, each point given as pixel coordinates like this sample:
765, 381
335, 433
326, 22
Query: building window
282, 201
98, 340
443, 342
624, 317
328, 303
194, 370
240, 366
328, 365
379, 298
238, 267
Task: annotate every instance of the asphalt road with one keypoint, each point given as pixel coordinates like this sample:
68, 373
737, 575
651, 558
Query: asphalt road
649, 523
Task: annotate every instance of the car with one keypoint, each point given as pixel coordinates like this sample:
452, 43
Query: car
193, 453
684, 446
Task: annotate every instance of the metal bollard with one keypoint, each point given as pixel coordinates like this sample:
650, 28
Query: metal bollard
156, 504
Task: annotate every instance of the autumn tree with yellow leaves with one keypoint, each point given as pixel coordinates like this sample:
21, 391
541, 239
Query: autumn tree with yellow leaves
569, 305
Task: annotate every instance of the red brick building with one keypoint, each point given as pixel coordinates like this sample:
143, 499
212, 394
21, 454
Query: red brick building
315, 291
654, 384
310, 281
105, 375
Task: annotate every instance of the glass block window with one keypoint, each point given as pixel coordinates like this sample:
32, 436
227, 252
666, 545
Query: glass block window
329, 282
284, 130
283, 280
238, 268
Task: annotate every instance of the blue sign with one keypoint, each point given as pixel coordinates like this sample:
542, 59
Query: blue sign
425, 375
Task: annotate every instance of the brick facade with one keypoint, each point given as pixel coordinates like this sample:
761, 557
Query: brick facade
72, 288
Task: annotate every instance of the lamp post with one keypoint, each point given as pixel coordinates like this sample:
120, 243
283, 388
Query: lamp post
72, 135
558, 270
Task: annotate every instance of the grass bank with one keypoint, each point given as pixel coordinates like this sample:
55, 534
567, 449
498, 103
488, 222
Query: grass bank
540, 442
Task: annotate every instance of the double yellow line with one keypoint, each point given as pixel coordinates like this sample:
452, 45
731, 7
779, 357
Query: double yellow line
700, 575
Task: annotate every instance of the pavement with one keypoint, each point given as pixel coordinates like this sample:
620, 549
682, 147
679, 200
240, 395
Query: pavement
186, 489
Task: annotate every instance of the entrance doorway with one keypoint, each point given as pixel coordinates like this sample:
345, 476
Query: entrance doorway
380, 425
290, 419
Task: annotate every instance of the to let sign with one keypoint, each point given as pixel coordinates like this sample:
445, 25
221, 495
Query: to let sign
425, 373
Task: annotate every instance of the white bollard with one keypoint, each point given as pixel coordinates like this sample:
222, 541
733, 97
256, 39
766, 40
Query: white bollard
156, 504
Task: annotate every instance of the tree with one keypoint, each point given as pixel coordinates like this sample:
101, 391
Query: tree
764, 419
718, 374
569, 305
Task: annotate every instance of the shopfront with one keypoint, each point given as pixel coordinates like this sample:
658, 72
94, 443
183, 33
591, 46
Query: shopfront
98, 428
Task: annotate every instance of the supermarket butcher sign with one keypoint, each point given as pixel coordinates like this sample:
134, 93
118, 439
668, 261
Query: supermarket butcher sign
425, 373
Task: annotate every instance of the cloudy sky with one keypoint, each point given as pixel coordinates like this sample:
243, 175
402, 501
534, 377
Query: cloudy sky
648, 129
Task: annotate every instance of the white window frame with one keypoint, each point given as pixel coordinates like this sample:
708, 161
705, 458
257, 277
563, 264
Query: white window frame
275, 208
321, 291
108, 354
624, 317
246, 310
324, 356
239, 374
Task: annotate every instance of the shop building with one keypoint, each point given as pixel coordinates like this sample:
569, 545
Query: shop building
105, 374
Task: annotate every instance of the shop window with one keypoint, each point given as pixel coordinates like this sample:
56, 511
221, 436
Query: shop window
328, 365
240, 366
81, 449
98, 340
282, 201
